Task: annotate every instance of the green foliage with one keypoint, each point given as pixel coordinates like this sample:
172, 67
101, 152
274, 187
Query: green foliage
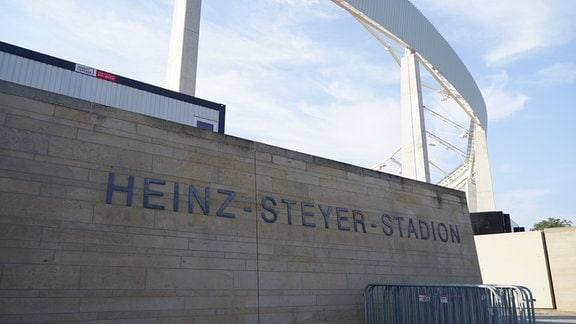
550, 223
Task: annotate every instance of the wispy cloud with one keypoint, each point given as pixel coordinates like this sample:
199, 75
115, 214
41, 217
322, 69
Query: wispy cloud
284, 84
501, 102
557, 74
105, 34
507, 30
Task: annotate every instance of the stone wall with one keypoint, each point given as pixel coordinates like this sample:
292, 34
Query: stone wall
561, 247
543, 261
111, 215
516, 259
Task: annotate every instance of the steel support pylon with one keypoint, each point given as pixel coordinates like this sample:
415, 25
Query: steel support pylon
414, 144
183, 51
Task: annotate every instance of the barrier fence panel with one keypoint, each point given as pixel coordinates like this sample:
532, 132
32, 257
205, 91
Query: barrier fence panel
461, 304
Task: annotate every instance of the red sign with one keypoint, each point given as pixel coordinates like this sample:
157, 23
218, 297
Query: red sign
105, 75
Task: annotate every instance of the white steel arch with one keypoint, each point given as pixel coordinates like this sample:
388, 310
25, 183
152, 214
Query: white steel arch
401, 22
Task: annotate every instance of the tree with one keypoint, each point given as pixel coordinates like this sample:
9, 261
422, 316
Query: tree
550, 223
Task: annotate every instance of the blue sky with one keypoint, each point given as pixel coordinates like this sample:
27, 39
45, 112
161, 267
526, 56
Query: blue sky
306, 76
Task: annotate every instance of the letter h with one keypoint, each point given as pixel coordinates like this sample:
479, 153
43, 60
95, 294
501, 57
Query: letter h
112, 187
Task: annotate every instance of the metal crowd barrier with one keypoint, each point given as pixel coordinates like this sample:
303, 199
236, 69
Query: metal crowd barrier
446, 303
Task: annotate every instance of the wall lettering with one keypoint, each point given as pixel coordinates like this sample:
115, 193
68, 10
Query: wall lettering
271, 209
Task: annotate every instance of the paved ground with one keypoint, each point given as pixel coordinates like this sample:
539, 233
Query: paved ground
555, 317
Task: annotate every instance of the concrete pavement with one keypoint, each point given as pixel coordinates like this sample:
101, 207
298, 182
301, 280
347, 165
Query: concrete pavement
555, 317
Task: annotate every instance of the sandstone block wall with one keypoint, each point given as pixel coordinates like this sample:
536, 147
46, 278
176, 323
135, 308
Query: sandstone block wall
108, 215
543, 261
516, 259
561, 246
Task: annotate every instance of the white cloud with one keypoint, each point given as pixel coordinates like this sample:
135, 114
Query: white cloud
556, 74
500, 102
506, 30
285, 84
116, 36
